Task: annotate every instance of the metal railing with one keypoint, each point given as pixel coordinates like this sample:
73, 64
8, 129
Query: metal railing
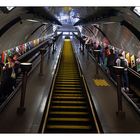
86, 91
48, 102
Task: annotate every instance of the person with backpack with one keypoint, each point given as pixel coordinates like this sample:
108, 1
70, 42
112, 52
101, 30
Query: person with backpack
121, 61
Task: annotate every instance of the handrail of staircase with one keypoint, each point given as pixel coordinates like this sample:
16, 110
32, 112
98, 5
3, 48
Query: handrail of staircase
46, 111
85, 88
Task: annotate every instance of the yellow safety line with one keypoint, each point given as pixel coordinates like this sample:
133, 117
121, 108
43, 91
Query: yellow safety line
69, 113
67, 91
68, 80
68, 88
69, 75
67, 85
71, 82
72, 77
68, 127
69, 102
73, 107
59, 94
60, 97
67, 40
69, 119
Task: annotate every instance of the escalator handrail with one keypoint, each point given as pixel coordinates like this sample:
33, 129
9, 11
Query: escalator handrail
19, 84
115, 83
91, 104
129, 69
32, 50
89, 97
48, 102
134, 72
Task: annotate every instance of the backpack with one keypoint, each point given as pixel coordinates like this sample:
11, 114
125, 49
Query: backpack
123, 63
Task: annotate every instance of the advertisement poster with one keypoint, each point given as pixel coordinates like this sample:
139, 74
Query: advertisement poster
25, 47
31, 43
34, 43
37, 41
128, 57
123, 53
133, 63
138, 64
3, 57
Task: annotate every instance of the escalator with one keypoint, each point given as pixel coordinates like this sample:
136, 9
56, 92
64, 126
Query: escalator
69, 110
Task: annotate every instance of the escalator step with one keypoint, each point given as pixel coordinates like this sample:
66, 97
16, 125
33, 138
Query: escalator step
68, 80
66, 85
69, 119
69, 102
63, 82
69, 110
68, 127
60, 97
67, 94
67, 88
71, 77
69, 107
68, 113
67, 91
64, 73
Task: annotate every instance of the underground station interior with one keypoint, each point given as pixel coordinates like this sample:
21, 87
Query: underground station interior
70, 70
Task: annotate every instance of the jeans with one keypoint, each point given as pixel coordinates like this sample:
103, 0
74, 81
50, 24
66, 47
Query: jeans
125, 82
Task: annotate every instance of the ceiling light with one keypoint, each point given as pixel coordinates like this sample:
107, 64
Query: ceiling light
137, 10
31, 20
9, 8
45, 23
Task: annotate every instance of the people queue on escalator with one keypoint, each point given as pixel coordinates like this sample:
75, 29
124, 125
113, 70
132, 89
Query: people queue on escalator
107, 59
9, 67
9, 71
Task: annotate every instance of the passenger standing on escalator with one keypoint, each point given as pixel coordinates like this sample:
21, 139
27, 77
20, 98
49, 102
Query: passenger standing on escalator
121, 61
9, 77
106, 54
50, 42
88, 44
12, 73
111, 63
83, 42
99, 54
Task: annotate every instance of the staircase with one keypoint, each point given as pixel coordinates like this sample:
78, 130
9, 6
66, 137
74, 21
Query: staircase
69, 111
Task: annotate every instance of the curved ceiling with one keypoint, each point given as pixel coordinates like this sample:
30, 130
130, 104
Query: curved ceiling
39, 17
72, 15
